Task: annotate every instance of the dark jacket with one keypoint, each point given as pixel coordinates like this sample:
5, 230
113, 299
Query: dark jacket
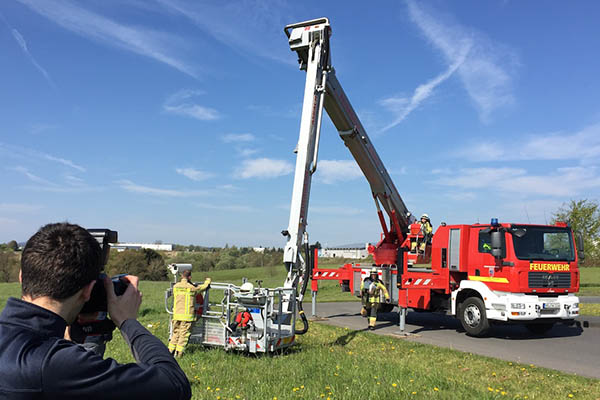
37, 363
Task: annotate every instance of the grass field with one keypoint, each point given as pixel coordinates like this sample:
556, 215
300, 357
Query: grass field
338, 363
590, 281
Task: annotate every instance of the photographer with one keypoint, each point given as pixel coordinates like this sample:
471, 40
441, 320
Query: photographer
59, 268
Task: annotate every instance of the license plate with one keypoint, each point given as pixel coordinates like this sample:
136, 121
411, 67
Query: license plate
551, 306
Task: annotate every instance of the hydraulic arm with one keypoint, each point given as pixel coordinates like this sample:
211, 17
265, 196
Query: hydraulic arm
310, 40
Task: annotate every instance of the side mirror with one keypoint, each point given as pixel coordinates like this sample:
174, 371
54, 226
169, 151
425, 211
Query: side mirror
498, 244
580, 252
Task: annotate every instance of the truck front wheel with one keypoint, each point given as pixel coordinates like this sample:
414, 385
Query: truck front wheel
473, 318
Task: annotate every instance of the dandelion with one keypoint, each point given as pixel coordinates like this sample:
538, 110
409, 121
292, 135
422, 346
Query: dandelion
503, 393
413, 393
327, 388
436, 389
493, 374
411, 380
301, 386
509, 363
394, 384
322, 394
208, 388
490, 389
570, 394
217, 389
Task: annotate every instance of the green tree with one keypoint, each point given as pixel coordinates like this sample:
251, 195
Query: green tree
584, 217
9, 266
13, 245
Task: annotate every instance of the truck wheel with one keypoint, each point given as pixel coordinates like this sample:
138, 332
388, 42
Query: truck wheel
473, 318
540, 329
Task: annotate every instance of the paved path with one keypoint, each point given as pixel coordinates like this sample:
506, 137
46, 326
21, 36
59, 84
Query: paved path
573, 349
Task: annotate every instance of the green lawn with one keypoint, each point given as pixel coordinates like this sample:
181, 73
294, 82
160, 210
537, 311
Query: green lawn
339, 363
590, 281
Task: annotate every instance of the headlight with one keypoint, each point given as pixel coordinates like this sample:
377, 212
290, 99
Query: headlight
517, 306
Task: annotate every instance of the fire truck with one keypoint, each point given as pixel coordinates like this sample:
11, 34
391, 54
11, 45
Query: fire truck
479, 273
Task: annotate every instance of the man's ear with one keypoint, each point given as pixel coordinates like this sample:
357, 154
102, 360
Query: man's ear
87, 290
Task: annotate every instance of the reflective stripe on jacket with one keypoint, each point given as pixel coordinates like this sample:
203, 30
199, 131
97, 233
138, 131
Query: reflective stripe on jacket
376, 296
183, 306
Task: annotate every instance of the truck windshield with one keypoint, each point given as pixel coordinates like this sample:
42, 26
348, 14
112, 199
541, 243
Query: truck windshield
543, 243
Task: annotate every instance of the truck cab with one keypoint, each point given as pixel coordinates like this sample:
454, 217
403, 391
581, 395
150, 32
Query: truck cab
509, 273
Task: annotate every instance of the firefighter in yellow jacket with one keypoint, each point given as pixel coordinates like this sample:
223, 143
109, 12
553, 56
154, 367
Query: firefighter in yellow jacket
427, 233
184, 315
371, 289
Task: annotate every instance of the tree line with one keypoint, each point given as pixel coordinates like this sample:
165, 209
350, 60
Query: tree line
582, 215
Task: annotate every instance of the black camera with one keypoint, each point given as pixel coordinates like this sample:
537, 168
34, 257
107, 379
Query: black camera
97, 300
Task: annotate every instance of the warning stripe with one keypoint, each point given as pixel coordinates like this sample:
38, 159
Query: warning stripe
418, 282
488, 279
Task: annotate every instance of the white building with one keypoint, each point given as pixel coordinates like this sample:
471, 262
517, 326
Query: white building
135, 246
259, 249
355, 251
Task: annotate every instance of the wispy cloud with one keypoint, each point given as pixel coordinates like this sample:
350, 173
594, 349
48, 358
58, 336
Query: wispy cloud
583, 145
251, 27
26, 154
483, 66
563, 182
63, 161
23, 45
333, 171
263, 168
39, 128
236, 138
19, 208
279, 112
402, 106
32, 177
182, 103
194, 174
335, 210
227, 207
132, 187
71, 184
146, 42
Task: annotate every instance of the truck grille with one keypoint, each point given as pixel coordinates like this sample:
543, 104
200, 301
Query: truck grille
548, 280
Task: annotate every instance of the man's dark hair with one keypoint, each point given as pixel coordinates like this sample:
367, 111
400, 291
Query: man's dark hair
59, 260
186, 274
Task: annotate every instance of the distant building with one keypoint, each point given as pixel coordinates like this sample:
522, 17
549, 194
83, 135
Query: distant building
356, 251
259, 249
137, 246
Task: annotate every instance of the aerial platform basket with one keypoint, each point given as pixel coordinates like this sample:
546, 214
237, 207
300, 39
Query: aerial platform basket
272, 327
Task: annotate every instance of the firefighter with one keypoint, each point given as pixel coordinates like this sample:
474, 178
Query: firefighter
427, 232
183, 311
370, 290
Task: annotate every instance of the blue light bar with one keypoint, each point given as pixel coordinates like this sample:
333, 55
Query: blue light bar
495, 222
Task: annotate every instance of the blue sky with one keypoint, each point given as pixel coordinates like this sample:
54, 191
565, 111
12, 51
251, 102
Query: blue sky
176, 120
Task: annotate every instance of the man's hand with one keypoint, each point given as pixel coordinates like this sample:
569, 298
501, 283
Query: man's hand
121, 308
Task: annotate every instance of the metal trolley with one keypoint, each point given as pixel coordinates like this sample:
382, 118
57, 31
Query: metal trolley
273, 327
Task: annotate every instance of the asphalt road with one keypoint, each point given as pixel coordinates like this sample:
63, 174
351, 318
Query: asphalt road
573, 349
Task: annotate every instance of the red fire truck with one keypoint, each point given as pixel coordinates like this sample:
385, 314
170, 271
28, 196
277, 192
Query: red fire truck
500, 272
